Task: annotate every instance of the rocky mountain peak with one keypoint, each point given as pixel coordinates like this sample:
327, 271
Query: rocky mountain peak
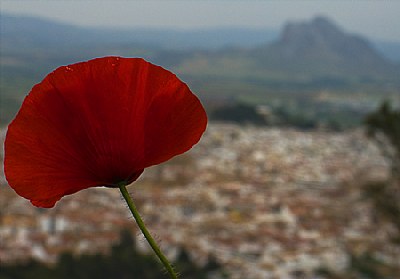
316, 32
322, 41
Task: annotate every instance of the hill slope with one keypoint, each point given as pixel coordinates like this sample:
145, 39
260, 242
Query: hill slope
17, 31
305, 52
308, 58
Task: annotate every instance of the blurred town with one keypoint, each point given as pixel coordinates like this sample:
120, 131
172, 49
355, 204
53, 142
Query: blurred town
265, 202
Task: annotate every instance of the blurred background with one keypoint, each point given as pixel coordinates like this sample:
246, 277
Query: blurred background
297, 175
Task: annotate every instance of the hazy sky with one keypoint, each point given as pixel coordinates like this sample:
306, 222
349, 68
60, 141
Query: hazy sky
376, 19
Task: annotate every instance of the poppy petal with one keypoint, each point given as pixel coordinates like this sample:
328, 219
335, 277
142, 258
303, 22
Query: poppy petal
98, 123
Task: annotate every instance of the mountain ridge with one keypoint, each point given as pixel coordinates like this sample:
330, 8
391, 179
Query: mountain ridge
320, 46
304, 52
289, 66
39, 31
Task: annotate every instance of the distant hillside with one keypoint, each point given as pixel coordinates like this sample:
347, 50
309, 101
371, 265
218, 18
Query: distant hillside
24, 31
391, 50
305, 52
18, 31
314, 61
322, 49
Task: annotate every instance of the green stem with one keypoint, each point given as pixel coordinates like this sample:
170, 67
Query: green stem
147, 235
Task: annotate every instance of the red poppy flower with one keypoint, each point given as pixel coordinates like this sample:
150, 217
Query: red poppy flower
98, 123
